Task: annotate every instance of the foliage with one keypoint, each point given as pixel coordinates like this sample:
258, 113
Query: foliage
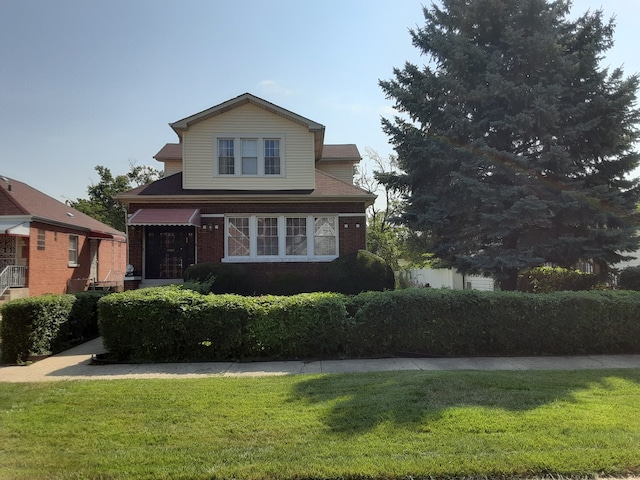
359, 272
102, 204
172, 324
555, 279
514, 146
184, 325
629, 278
221, 277
467, 322
47, 324
382, 425
30, 326
385, 236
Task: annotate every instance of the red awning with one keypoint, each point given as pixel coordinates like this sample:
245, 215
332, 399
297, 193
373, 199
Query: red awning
165, 216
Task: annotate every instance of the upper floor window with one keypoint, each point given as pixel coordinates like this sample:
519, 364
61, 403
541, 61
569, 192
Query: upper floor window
226, 156
249, 155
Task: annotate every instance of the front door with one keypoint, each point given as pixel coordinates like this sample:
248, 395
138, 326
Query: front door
168, 251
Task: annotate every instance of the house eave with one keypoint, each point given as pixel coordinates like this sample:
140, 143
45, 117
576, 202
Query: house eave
367, 200
78, 228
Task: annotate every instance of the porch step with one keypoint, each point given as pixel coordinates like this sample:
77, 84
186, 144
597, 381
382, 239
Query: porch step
14, 293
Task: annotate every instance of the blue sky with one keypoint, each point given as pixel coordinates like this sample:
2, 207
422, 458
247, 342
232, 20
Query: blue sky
94, 82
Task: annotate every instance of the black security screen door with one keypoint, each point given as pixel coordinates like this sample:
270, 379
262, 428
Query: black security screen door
168, 251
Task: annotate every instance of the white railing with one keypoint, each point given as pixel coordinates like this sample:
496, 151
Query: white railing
12, 276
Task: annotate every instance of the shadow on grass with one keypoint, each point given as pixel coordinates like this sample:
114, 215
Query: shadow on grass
360, 402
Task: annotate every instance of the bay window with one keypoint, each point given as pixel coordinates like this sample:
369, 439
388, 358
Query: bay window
280, 238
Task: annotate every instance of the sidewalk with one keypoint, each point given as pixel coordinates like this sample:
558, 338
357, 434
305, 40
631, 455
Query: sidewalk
75, 364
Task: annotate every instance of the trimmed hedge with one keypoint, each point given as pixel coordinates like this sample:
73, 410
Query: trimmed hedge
47, 324
468, 322
170, 324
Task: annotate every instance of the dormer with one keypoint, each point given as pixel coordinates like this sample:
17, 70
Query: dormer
245, 143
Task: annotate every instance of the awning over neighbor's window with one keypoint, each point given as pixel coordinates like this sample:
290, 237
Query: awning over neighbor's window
166, 216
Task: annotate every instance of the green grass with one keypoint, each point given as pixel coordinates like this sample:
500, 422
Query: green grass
383, 425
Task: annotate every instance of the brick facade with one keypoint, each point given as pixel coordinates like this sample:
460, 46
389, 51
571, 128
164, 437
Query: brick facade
49, 270
210, 237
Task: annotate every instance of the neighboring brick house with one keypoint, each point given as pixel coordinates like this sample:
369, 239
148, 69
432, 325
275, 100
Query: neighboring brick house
49, 247
249, 182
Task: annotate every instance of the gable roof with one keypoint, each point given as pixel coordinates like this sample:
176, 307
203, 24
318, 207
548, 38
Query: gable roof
17, 199
247, 98
169, 189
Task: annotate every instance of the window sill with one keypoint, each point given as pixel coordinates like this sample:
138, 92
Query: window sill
73, 265
328, 258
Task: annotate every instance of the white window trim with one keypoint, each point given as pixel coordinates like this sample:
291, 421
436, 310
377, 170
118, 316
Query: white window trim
237, 150
70, 263
253, 256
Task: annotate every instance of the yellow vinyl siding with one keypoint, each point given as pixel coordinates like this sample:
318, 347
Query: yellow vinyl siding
200, 145
171, 167
343, 171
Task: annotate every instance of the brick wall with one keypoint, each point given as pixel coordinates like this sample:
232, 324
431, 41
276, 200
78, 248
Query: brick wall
210, 238
49, 270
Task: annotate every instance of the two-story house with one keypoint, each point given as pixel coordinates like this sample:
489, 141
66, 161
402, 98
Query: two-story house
248, 182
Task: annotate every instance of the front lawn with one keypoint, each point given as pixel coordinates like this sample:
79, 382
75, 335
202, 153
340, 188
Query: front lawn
388, 425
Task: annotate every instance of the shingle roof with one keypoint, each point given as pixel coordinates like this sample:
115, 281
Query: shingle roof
327, 187
347, 152
344, 152
171, 151
19, 199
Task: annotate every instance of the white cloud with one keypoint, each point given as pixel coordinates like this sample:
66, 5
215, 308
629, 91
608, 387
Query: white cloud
274, 88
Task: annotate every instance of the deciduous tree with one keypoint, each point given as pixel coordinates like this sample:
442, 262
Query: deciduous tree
102, 204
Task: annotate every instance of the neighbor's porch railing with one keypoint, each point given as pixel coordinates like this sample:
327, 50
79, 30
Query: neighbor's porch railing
13, 276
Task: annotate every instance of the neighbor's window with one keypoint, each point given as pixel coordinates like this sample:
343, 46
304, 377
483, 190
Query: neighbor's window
41, 239
73, 250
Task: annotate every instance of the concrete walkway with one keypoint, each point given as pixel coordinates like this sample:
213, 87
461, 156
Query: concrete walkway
75, 364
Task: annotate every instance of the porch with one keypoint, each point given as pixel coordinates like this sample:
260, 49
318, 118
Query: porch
13, 283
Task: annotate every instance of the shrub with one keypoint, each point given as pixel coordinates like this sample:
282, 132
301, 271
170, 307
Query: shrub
629, 278
555, 279
360, 272
33, 326
466, 322
168, 323
222, 277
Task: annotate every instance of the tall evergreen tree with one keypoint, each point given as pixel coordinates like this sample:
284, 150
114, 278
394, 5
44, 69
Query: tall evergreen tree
516, 145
